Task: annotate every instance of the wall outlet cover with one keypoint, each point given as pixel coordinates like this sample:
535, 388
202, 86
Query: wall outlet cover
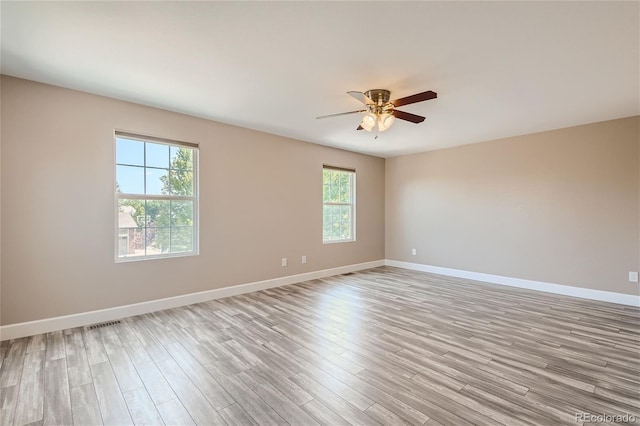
633, 277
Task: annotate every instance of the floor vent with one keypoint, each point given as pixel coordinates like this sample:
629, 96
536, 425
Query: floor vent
104, 324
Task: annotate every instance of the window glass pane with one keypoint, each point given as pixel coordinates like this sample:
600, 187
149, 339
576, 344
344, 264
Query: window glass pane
326, 222
130, 180
181, 182
326, 186
346, 222
131, 243
181, 239
157, 181
131, 210
345, 188
333, 213
337, 231
130, 228
181, 158
157, 155
129, 152
158, 212
334, 193
181, 213
335, 179
157, 240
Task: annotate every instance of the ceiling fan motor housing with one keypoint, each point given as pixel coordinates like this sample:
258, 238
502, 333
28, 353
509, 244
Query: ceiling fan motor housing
379, 96
381, 103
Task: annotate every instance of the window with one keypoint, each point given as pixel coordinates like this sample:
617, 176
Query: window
156, 197
338, 204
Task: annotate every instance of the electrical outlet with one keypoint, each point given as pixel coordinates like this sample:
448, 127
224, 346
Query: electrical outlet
414, 252
633, 277
304, 259
284, 261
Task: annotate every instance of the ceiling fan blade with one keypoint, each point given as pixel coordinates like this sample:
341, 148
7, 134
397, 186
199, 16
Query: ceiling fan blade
418, 97
361, 97
360, 128
340, 113
408, 116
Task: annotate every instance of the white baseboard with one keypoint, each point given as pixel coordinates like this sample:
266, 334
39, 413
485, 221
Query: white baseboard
23, 329
583, 293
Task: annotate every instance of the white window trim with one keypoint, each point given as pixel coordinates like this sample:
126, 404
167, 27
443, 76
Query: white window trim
195, 197
352, 205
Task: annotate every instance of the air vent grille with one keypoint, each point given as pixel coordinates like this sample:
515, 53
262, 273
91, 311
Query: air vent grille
103, 324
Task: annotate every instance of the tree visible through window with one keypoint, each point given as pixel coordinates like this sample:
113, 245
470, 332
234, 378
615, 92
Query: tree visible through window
156, 191
338, 209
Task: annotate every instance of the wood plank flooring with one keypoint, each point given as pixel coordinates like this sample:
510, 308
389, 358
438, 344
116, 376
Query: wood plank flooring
383, 346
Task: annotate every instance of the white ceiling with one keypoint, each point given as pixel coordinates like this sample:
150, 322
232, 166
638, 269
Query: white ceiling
500, 68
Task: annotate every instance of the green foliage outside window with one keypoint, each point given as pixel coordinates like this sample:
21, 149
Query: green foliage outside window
165, 225
338, 205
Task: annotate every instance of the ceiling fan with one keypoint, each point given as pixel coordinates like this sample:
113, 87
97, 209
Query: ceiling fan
381, 111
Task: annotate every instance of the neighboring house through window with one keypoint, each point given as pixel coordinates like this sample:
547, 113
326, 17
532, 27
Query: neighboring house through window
338, 204
156, 197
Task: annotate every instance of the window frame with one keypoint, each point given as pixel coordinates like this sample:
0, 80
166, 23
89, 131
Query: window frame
351, 204
195, 198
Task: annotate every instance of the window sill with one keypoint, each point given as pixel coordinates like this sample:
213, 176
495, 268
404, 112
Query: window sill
156, 257
339, 241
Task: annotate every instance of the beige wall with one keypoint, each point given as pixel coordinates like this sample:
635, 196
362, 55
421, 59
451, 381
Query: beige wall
260, 200
559, 206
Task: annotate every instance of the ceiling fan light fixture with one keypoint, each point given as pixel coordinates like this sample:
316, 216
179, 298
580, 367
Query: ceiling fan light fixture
368, 121
385, 121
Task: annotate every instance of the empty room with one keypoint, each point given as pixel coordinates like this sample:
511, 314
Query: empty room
320, 213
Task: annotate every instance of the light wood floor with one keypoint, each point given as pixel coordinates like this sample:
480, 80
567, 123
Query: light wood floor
385, 346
